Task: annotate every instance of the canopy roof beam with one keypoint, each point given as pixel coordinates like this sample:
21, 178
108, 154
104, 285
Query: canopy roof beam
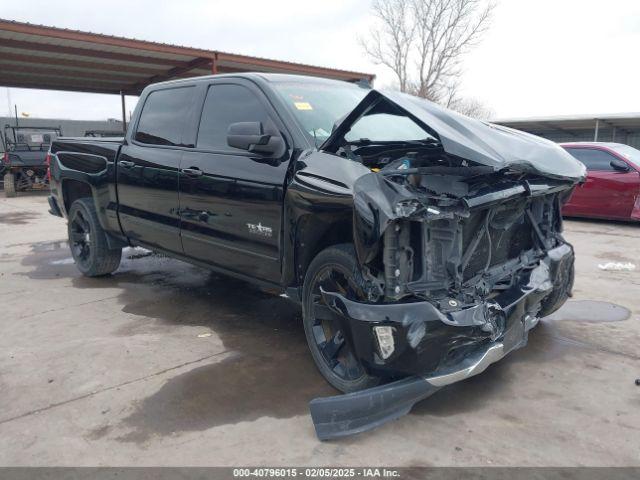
74, 64
50, 58
174, 72
85, 52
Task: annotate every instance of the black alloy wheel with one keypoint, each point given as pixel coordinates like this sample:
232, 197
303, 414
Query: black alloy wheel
80, 238
88, 241
333, 270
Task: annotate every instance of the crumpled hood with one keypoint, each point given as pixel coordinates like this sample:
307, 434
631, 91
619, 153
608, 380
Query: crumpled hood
474, 140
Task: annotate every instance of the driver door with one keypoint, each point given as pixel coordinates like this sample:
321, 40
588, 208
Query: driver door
231, 200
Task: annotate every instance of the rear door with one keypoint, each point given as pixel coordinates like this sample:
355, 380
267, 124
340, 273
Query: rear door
231, 200
607, 192
147, 169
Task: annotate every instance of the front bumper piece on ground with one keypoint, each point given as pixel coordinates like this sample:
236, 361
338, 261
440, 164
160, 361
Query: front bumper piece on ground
352, 413
358, 412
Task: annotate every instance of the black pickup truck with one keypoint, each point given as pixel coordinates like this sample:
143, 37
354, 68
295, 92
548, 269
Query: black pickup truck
421, 244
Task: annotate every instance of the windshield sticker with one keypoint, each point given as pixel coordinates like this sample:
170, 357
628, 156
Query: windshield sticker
303, 105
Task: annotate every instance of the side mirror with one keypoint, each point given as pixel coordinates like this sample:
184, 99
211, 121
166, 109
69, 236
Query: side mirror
251, 136
619, 165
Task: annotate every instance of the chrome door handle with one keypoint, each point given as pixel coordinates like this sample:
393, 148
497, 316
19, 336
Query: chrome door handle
192, 172
126, 164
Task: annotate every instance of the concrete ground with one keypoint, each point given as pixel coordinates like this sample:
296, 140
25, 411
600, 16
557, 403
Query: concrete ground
166, 364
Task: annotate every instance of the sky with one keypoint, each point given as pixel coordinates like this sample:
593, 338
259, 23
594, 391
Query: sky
539, 57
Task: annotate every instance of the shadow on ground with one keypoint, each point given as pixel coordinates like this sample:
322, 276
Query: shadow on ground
266, 370
17, 218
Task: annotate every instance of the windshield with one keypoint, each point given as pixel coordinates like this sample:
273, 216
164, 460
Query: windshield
319, 106
385, 127
630, 153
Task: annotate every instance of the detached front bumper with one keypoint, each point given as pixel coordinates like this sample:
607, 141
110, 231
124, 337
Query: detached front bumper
449, 346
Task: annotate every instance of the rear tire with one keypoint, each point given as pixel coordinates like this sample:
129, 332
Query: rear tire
88, 241
333, 268
10, 185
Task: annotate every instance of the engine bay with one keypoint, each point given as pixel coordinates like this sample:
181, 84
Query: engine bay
450, 231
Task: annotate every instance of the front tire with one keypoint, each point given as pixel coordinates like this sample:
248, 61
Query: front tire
88, 241
562, 288
335, 270
10, 185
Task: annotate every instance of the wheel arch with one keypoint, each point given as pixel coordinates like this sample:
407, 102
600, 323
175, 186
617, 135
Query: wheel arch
73, 189
315, 236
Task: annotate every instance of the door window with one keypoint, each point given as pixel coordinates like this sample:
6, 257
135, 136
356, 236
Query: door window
163, 116
593, 159
628, 152
224, 105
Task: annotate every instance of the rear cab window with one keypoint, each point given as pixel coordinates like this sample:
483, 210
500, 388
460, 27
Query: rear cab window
164, 116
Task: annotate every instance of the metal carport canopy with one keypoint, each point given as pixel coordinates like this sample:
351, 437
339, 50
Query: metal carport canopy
625, 121
37, 56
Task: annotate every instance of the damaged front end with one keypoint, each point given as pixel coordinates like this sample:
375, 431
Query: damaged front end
460, 258
441, 269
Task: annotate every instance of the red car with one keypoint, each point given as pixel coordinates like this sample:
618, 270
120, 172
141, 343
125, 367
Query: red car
612, 188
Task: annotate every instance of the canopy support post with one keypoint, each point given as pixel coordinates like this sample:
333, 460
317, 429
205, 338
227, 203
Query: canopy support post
214, 64
124, 112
